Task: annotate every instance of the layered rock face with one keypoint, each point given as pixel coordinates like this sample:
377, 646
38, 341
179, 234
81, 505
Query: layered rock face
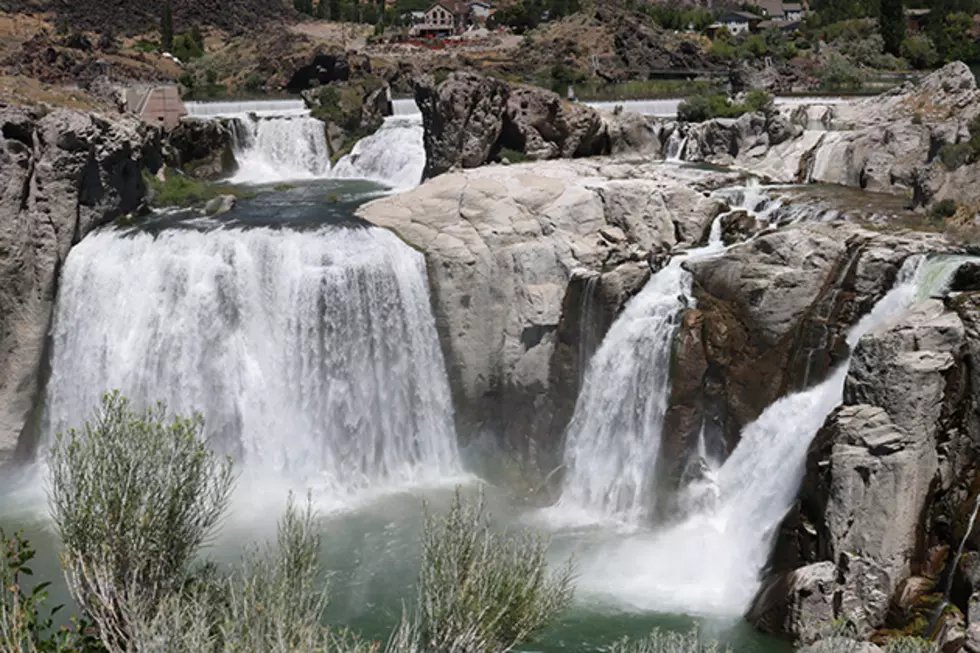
62, 174
469, 119
772, 318
511, 251
889, 486
887, 143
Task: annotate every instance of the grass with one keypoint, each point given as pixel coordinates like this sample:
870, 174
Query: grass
643, 90
513, 156
178, 190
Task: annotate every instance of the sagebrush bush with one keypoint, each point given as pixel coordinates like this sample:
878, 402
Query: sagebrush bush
134, 496
668, 642
481, 591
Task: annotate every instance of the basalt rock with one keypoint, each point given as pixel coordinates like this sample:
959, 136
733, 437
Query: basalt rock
528, 262
889, 477
202, 148
62, 174
470, 120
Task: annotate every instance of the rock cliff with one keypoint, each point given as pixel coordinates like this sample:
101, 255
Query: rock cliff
469, 119
889, 488
62, 173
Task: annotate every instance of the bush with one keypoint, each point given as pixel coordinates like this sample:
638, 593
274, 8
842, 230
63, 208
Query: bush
699, 108
945, 209
669, 642
480, 592
755, 46
919, 51
134, 495
838, 74
955, 155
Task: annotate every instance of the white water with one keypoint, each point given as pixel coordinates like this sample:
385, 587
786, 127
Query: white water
280, 149
261, 108
394, 155
710, 563
313, 356
612, 443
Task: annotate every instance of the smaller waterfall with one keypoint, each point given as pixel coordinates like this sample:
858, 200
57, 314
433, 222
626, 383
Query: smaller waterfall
676, 146
279, 149
587, 333
710, 563
394, 155
612, 443
959, 550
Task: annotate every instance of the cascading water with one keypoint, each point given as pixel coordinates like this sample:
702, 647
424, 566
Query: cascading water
313, 356
613, 440
279, 149
710, 563
394, 155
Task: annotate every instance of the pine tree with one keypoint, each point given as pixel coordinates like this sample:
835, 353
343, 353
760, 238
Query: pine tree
335, 10
197, 37
167, 28
322, 10
891, 24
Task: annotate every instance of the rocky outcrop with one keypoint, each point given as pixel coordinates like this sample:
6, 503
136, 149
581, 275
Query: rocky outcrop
469, 119
513, 250
772, 318
62, 174
202, 148
889, 483
887, 143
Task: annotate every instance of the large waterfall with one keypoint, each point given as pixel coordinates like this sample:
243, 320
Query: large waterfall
711, 562
279, 149
312, 355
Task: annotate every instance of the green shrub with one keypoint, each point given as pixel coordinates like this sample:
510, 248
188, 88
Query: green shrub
955, 155
699, 108
255, 83
755, 46
513, 156
668, 642
134, 495
179, 190
838, 74
723, 49
481, 592
919, 51
944, 209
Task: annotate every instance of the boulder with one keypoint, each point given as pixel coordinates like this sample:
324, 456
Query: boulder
502, 243
203, 149
62, 174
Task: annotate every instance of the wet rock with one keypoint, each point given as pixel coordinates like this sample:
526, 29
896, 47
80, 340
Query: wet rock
966, 277
737, 226
62, 174
202, 149
220, 204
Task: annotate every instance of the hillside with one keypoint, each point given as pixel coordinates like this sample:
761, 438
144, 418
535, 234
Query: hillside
136, 16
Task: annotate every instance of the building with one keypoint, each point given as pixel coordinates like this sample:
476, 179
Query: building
736, 22
777, 10
439, 21
479, 11
156, 105
793, 11
916, 20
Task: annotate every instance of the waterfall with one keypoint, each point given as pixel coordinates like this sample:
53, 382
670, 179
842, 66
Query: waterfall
587, 332
235, 109
711, 562
676, 145
613, 440
279, 149
394, 155
313, 356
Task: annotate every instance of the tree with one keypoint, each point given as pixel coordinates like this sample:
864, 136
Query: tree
197, 37
891, 24
167, 27
304, 6
322, 10
335, 9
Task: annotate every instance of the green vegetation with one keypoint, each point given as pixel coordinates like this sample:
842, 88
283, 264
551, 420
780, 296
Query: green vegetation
944, 209
513, 156
956, 155
283, 187
839, 74
135, 494
718, 105
695, 19
891, 24
182, 191
668, 642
